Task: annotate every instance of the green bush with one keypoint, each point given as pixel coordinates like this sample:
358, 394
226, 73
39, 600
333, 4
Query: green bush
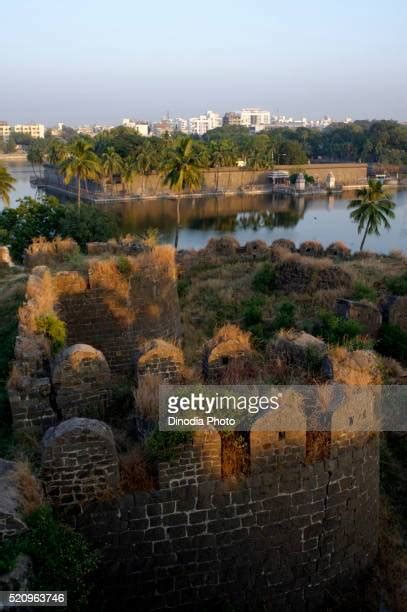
123, 265
53, 328
162, 445
336, 330
398, 284
392, 341
363, 292
264, 279
252, 312
61, 557
47, 217
183, 287
285, 318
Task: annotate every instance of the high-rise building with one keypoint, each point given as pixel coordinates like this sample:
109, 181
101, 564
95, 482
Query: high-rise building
254, 117
35, 130
231, 118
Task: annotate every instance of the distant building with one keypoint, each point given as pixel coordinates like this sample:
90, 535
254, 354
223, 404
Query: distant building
255, 118
165, 126
35, 130
141, 127
5, 130
181, 125
204, 123
231, 118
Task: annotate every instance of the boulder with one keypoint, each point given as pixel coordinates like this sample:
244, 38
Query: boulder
367, 314
352, 368
297, 346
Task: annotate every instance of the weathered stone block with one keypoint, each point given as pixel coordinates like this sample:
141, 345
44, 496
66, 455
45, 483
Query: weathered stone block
367, 314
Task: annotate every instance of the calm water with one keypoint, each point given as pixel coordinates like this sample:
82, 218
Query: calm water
248, 217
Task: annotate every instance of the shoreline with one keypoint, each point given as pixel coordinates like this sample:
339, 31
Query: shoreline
113, 198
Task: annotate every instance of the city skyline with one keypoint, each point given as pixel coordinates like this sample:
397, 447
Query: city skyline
94, 64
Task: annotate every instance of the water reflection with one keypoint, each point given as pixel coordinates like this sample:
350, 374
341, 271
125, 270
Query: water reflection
254, 217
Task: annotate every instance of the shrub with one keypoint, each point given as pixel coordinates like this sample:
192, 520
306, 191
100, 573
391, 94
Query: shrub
252, 313
363, 292
54, 329
124, 266
285, 318
336, 330
398, 284
48, 218
162, 445
183, 286
264, 279
135, 473
61, 557
392, 341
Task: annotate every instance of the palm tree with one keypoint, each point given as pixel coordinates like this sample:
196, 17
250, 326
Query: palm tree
81, 163
112, 164
57, 152
145, 163
371, 209
129, 170
182, 170
6, 185
36, 155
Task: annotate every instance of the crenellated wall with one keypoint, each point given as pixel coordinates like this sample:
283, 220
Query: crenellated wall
282, 537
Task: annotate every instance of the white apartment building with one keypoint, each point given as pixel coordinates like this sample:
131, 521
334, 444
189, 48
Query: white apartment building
254, 117
35, 130
204, 123
181, 125
5, 130
139, 126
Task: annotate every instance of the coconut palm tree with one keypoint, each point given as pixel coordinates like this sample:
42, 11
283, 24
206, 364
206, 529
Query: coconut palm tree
6, 185
372, 209
81, 163
57, 152
129, 171
182, 170
112, 164
145, 162
36, 155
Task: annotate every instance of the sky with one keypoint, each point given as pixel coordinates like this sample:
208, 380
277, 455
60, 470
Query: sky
97, 61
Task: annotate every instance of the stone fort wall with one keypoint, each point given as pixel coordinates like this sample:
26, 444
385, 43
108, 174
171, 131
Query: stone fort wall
283, 537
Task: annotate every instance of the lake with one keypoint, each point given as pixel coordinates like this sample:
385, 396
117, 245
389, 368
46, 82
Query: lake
261, 217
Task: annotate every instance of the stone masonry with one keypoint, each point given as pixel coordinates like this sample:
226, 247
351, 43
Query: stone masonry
81, 382
282, 538
368, 315
79, 462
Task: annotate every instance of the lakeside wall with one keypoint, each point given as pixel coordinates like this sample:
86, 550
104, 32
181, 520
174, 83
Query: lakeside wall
224, 179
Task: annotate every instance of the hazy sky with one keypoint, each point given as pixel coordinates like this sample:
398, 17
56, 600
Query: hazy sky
100, 60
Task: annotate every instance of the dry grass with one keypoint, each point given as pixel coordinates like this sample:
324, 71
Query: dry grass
235, 454
160, 259
225, 245
40, 298
146, 396
358, 368
104, 274
161, 349
135, 474
318, 263
42, 251
30, 488
229, 340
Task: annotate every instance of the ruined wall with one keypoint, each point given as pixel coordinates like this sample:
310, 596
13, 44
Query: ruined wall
29, 385
115, 311
281, 537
